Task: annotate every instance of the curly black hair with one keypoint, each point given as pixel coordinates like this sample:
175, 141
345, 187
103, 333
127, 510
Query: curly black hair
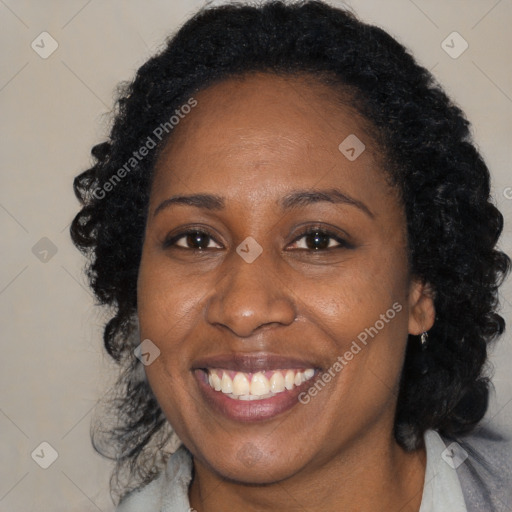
442, 180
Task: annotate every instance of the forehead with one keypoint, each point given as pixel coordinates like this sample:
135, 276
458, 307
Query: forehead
263, 131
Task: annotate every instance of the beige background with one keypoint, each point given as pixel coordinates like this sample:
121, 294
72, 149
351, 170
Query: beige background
53, 369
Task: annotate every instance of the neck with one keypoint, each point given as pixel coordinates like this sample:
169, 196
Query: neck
363, 478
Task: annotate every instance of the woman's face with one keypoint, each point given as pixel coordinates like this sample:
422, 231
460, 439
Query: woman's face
274, 263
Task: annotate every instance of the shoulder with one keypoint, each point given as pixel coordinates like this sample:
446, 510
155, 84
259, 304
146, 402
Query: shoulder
168, 492
484, 468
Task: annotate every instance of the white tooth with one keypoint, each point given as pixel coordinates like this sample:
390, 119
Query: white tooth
227, 383
259, 384
277, 382
309, 373
289, 379
254, 397
241, 384
215, 382
210, 381
298, 379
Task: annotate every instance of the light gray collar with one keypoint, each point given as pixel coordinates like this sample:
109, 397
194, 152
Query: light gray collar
442, 491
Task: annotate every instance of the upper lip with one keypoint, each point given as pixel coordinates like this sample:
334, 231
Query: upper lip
252, 362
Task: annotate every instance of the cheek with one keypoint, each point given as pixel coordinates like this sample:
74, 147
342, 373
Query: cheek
353, 297
360, 314
168, 309
166, 299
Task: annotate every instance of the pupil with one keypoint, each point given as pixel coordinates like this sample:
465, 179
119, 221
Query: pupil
198, 240
317, 241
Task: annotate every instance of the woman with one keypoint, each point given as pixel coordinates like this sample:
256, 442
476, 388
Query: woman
296, 235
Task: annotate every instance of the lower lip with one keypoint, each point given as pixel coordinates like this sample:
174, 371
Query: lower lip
249, 410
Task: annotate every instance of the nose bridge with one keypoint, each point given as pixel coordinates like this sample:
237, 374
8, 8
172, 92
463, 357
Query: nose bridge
250, 295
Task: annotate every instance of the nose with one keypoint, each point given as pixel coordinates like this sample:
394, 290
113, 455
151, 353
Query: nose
249, 296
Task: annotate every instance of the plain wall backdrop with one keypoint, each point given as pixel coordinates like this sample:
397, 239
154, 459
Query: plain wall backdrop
53, 367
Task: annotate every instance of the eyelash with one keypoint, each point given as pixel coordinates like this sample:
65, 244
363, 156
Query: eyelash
342, 243
171, 242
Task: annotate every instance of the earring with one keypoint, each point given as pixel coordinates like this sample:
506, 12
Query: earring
422, 357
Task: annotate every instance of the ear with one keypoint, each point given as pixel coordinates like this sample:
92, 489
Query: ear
422, 312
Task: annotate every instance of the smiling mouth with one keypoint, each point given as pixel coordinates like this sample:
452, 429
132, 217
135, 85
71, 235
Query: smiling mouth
256, 386
252, 387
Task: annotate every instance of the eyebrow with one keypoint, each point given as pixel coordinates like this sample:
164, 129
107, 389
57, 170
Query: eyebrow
301, 198
293, 200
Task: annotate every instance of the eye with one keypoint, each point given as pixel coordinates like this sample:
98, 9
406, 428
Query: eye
194, 239
319, 240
